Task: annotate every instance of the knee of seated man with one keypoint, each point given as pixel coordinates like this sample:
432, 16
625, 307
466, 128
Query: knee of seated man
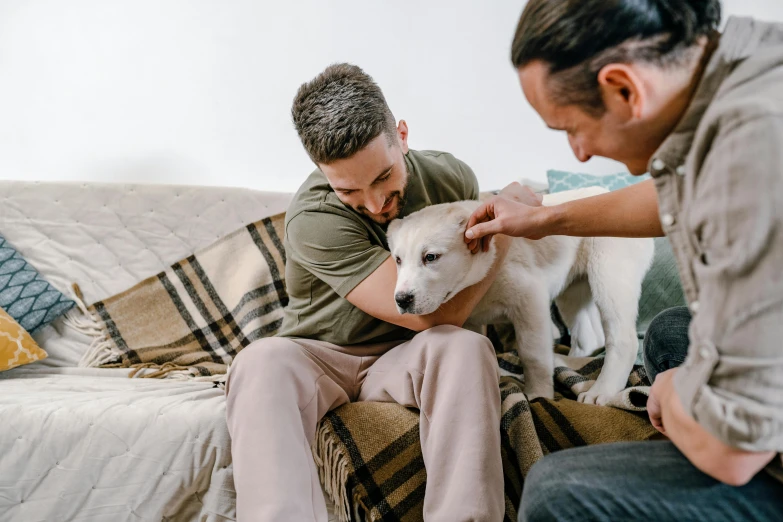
662, 338
668, 324
462, 344
267, 360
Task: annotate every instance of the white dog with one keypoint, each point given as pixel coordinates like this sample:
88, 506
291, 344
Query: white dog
595, 282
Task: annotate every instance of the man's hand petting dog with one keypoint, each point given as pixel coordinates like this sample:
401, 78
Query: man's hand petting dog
507, 213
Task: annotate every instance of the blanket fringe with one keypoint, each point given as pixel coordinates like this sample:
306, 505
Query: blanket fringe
171, 371
81, 319
161, 370
219, 378
332, 464
101, 351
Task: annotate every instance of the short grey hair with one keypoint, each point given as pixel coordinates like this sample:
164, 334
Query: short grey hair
339, 112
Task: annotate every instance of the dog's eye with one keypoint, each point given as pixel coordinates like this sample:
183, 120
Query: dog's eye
429, 258
398, 260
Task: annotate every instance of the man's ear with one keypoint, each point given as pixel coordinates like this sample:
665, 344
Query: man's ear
402, 135
622, 90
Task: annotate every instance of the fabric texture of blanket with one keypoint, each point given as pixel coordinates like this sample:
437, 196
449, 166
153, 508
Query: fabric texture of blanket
378, 474
193, 318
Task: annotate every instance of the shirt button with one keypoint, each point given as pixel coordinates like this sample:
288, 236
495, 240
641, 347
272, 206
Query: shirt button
658, 164
667, 220
694, 306
704, 352
681, 170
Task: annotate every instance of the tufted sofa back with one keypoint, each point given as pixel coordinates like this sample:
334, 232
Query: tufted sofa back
107, 237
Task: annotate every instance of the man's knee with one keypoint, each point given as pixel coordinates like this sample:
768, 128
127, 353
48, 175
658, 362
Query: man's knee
269, 350
670, 322
460, 344
265, 360
666, 340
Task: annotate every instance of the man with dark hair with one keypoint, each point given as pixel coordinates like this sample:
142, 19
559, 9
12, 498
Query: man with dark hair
342, 338
651, 83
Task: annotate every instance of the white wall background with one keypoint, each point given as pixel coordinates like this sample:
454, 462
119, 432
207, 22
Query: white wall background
199, 91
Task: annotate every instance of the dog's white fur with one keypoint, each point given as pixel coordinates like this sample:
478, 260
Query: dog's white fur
595, 282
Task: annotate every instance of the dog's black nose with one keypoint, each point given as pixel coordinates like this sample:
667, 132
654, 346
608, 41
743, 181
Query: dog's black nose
404, 299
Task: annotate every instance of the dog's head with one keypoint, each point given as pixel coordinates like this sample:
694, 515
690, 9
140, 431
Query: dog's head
433, 261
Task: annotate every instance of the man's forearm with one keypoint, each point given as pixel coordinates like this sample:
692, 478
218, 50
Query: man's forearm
628, 212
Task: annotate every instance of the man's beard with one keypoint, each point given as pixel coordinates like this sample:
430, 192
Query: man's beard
394, 213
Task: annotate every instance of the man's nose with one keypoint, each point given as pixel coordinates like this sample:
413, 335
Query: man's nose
375, 203
578, 151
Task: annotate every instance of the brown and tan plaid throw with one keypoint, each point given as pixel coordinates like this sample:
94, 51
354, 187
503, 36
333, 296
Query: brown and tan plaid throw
369, 455
193, 318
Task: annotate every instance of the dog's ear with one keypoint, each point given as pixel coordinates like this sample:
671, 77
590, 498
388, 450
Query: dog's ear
459, 215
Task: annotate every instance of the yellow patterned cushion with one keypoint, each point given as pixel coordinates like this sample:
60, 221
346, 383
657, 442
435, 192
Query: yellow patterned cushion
16, 345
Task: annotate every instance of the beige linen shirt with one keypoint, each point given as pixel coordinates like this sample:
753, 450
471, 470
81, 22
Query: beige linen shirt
719, 178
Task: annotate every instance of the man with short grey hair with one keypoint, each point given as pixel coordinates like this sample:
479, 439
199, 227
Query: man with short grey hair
342, 338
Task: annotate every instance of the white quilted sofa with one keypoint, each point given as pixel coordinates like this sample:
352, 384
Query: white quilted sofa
92, 444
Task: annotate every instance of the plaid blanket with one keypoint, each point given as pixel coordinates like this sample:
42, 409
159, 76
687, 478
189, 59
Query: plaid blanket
190, 321
194, 317
379, 475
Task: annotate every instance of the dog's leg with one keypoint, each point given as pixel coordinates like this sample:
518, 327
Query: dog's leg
530, 317
577, 309
615, 286
595, 321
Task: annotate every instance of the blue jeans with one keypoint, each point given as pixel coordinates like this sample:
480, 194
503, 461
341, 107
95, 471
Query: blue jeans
643, 480
666, 341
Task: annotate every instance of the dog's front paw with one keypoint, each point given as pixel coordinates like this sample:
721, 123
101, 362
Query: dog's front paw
592, 396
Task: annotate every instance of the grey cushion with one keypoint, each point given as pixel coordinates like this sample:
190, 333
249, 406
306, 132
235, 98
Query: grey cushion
661, 288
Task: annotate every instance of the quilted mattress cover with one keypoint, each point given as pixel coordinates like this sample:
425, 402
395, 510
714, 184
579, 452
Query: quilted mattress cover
91, 444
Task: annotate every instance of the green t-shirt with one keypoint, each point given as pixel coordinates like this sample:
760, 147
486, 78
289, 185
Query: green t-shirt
330, 249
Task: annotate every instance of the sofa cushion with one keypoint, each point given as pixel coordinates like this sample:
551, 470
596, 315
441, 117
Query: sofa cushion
661, 288
560, 180
16, 345
27, 297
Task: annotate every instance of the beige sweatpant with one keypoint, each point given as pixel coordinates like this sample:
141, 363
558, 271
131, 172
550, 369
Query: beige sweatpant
278, 389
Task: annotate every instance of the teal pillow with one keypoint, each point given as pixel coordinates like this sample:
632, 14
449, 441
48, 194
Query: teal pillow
27, 297
560, 180
661, 288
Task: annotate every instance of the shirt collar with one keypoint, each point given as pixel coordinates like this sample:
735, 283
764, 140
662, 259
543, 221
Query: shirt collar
737, 42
